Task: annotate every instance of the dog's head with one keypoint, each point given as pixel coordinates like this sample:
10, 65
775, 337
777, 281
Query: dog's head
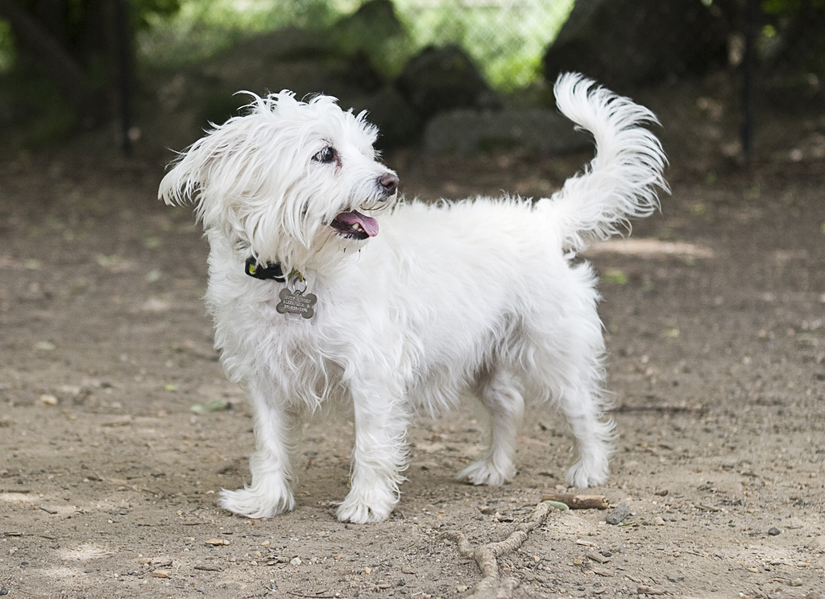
295, 182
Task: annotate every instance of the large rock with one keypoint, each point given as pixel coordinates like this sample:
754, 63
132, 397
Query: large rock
375, 30
374, 20
441, 79
627, 43
469, 132
304, 62
245, 58
398, 124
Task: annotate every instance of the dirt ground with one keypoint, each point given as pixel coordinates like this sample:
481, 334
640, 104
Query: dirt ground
108, 480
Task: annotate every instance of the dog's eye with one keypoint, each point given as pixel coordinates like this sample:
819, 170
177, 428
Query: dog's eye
325, 156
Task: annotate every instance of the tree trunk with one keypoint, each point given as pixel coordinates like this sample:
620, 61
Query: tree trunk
80, 65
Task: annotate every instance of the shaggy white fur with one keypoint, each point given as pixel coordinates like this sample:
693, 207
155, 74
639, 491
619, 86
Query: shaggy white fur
481, 295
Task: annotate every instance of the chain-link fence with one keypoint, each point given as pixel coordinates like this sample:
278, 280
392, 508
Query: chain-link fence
507, 38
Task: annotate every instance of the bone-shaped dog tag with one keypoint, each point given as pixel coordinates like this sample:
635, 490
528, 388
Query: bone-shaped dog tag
296, 303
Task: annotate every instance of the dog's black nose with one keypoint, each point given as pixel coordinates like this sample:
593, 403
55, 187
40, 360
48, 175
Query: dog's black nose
390, 183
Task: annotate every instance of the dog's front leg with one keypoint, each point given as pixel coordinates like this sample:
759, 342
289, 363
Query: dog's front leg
379, 455
277, 433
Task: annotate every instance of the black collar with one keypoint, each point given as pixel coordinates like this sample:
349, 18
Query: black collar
264, 271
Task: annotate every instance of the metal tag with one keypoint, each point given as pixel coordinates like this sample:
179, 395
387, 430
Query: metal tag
296, 303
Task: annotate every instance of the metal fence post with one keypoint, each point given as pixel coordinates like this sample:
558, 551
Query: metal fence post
747, 81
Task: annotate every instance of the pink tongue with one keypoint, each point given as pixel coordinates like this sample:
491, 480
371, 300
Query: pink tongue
369, 224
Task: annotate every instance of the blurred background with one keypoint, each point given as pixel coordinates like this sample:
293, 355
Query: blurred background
734, 81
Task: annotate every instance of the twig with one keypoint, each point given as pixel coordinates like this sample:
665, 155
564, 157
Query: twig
486, 556
311, 596
578, 502
206, 568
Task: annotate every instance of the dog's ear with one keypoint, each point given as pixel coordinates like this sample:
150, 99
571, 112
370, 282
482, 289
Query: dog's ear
230, 164
181, 184
223, 159
191, 171
210, 171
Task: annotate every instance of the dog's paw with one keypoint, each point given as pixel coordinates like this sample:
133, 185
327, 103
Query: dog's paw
257, 501
486, 472
360, 509
588, 473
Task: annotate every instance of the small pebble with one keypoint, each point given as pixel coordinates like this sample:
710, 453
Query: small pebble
295, 561
773, 531
658, 521
619, 514
161, 574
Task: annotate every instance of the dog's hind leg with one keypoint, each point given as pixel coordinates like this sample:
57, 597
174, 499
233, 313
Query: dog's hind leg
566, 365
574, 381
505, 404
277, 433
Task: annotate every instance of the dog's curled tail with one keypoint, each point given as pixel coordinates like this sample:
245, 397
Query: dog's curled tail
622, 179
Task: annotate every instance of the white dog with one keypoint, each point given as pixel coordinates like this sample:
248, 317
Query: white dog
313, 306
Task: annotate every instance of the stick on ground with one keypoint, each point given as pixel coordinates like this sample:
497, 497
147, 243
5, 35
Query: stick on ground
578, 502
485, 556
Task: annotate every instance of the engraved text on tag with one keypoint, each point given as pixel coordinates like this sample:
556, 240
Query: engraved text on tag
296, 302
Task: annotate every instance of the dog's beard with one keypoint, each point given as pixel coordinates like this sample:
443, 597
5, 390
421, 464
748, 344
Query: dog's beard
311, 229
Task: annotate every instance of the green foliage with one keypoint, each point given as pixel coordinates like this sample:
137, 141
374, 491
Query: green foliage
7, 53
505, 39
202, 28
146, 11
37, 102
144, 14
789, 7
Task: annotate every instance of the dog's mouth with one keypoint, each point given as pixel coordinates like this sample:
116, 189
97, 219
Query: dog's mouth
354, 225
